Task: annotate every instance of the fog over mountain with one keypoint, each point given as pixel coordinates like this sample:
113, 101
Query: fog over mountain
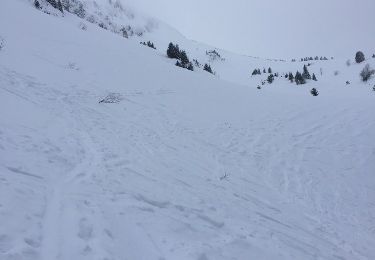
280, 29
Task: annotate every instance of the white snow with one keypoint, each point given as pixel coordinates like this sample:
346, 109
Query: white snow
183, 165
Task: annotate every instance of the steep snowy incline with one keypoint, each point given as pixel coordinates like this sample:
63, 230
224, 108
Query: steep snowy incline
173, 164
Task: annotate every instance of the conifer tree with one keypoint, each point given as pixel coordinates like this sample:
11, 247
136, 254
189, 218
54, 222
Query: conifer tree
209, 69
37, 4
190, 66
184, 58
172, 51
291, 77
314, 77
270, 78
306, 73
299, 78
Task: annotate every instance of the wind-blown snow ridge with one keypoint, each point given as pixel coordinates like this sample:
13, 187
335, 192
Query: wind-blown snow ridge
181, 165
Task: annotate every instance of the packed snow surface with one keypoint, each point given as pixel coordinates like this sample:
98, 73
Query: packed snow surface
173, 164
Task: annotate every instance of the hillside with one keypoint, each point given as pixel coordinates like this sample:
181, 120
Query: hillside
109, 151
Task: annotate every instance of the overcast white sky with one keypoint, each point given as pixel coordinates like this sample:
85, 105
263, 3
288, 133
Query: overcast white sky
272, 28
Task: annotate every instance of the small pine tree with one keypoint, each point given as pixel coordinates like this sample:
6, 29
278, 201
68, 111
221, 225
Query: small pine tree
314, 77
269, 70
178, 64
314, 92
124, 32
286, 75
291, 77
56, 4
170, 51
37, 4
59, 6
190, 66
149, 44
299, 78
306, 73
173, 51
359, 57
184, 58
366, 73
209, 69
270, 79
255, 72
259, 72
373, 56
264, 70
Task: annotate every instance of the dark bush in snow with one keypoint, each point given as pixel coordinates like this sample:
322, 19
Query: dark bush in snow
314, 77
269, 70
359, 57
366, 73
348, 82
314, 92
373, 55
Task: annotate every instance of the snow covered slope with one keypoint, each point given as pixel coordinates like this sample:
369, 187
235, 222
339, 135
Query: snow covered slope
181, 165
